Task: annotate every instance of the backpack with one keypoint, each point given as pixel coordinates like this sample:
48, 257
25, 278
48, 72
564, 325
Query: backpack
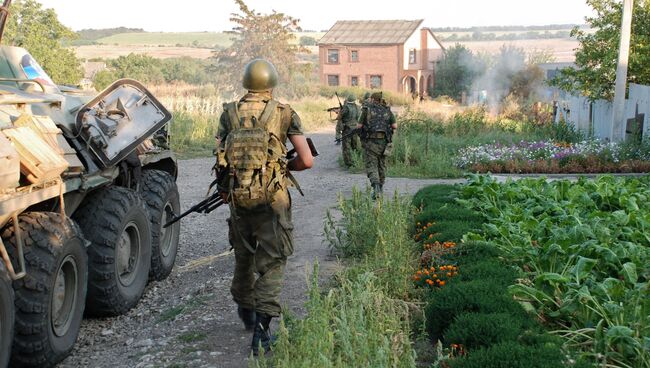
352, 115
378, 118
253, 156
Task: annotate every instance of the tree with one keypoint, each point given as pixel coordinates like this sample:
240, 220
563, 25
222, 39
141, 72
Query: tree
307, 41
267, 36
597, 56
456, 72
39, 31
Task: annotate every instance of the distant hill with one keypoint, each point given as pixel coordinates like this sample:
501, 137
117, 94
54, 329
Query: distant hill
194, 39
95, 34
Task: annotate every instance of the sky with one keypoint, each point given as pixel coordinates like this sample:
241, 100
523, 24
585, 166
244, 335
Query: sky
213, 16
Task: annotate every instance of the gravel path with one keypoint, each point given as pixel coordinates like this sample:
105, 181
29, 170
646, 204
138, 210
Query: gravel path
189, 320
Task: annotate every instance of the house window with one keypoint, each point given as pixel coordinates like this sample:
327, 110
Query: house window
354, 81
332, 56
333, 80
354, 56
375, 81
412, 56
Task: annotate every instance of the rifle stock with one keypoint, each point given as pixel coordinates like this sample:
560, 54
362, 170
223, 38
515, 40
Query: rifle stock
314, 152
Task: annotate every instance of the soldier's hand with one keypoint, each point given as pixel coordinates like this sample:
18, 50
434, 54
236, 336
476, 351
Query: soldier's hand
224, 196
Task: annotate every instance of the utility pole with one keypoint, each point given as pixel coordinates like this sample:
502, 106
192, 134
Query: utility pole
617, 133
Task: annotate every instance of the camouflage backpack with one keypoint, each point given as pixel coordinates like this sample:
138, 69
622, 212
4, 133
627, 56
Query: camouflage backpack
253, 155
352, 115
378, 118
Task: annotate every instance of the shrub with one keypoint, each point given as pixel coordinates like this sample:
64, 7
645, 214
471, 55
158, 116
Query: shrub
491, 269
468, 296
512, 355
475, 330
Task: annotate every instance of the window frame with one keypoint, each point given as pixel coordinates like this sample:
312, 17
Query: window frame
338, 80
381, 81
413, 56
352, 59
338, 56
351, 78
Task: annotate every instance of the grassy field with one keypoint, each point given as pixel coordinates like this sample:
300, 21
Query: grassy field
113, 52
201, 39
562, 49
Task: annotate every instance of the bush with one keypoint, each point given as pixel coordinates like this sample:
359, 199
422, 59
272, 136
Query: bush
488, 269
512, 355
469, 296
476, 330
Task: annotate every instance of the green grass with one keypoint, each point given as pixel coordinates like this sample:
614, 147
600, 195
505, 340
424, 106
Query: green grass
190, 337
205, 39
171, 313
199, 39
363, 320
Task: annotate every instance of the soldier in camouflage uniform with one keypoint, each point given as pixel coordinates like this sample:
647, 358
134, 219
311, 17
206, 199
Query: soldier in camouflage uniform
348, 118
377, 124
253, 176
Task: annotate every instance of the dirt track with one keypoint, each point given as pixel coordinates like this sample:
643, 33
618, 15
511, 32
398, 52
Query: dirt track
189, 320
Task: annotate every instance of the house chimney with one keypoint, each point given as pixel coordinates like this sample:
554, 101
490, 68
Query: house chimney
424, 46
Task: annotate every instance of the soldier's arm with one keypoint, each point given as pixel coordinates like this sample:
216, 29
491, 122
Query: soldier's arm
222, 130
392, 121
362, 117
304, 159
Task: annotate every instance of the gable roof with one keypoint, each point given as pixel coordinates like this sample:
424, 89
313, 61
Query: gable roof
370, 32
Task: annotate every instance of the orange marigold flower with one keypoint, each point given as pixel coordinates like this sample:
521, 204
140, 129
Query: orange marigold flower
442, 283
426, 272
429, 282
448, 274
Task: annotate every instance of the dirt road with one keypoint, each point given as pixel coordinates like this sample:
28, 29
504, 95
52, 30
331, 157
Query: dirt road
189, 320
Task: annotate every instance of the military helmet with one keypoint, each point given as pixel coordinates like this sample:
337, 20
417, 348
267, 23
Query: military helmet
260, 75
377, 96
351, 97
366, 96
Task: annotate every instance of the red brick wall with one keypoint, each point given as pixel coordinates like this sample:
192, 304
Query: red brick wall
381, 60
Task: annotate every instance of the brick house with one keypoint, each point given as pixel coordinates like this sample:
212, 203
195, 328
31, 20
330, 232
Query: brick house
393, 55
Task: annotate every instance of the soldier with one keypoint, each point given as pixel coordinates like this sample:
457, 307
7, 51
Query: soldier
377, 124
347, 118
254, 176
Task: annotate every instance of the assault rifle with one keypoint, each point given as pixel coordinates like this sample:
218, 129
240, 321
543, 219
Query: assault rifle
214, 200
335, 109
347, 135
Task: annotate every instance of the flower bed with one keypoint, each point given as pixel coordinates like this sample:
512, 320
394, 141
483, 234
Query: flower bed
469, 313
591, 156
585, 251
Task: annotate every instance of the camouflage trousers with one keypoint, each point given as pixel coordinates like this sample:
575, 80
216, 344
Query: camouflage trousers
262, 240
375, 160
348, 145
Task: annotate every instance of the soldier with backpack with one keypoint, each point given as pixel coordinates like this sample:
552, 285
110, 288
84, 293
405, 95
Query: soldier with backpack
377, 124
348, 117
253, 176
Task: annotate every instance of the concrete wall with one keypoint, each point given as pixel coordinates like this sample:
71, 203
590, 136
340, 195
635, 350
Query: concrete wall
595, 118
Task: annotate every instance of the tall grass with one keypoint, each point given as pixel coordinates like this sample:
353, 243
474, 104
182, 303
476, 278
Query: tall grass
364, 320
426, 144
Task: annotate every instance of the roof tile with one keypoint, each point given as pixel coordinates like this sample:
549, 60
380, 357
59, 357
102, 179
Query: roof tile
358, 32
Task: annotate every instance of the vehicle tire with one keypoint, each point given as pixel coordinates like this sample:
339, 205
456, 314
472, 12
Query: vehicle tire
116, 222
160, 194
6, 316
49, 300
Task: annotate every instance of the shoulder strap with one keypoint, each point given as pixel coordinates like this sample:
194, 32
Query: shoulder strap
233, 115
268, 112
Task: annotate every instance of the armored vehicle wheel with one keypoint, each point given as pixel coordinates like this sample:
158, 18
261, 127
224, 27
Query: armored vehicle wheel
116, 221
50, 298
160, 194
6, 316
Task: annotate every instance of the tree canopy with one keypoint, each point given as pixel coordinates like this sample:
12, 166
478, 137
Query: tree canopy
597, 56
456, 72
39, 31
257, 35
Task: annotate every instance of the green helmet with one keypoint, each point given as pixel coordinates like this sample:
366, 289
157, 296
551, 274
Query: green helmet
260, 75
366, 96
351, 97
377, 96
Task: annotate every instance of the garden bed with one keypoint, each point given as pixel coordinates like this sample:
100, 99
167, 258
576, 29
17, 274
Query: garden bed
548, 156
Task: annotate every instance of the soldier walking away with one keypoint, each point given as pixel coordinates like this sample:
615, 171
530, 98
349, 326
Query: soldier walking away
348, 118
377, 124
253, 175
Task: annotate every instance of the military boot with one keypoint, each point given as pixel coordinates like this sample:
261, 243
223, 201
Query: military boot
376, 191
262, 333
247, 316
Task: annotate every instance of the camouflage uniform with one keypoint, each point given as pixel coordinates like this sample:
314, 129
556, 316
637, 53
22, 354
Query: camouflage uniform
348, 118
262, 237
376, 119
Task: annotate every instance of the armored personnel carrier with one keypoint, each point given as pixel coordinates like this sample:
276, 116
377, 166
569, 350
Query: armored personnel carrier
86, 183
